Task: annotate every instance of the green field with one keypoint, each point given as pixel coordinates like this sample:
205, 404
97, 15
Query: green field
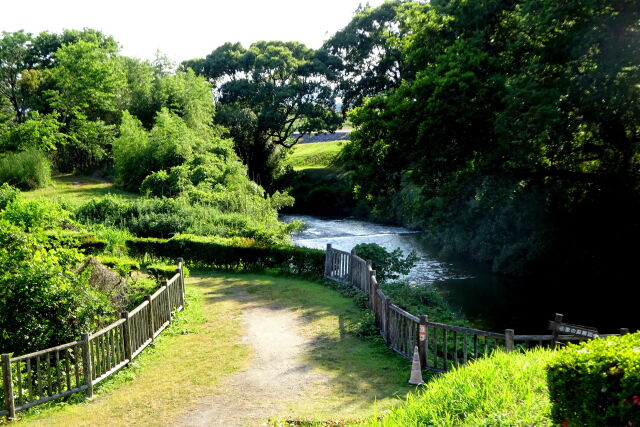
314, 155
76, 189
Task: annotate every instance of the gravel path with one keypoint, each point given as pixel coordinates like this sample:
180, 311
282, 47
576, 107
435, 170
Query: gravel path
277, 376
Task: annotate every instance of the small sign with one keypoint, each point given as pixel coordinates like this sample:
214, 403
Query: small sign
577, 330
423, 332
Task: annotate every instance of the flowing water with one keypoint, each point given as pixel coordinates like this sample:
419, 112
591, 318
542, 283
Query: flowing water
490, 301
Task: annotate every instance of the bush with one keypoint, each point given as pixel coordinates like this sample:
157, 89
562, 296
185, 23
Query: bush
596, 383
162, 272
123, 266
43, 301
388, 265
26, 170
237, 254
7, 195
36, 214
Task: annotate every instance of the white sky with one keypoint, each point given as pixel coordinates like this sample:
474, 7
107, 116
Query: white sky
184, 29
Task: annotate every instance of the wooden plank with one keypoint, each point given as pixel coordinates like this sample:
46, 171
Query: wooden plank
19, 375
445, 346
475, 346
67, 368
48, 361
29, 379
455, 348
464, 348
7, 380
50, 398
467, 330
43, 352
58, 372
86, 365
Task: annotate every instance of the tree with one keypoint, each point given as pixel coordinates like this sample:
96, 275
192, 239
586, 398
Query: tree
14, 50
88, 80
369, 50
276, 88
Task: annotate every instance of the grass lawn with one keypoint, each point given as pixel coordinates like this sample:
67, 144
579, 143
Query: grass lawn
506, 389
314, 155
75, 189
192, 357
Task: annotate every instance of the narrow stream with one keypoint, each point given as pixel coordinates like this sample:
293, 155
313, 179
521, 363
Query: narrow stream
490, 301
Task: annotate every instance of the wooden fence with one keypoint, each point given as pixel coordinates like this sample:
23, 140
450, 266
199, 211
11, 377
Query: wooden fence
441, 346
45, 375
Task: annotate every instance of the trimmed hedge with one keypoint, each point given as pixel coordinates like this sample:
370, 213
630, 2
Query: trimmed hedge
596, 383
88, 242
162, 272
236, 254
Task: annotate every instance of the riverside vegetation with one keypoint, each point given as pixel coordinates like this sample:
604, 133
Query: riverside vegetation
508, 130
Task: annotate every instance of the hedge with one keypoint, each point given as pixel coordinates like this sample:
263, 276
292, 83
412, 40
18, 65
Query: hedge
596, 383
238, 254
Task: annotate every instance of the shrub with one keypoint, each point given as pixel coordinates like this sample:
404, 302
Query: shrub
388, 265
36, 214
7, 195
123, 266
43, 301
164, 271
238, 254
26, 170
596, 383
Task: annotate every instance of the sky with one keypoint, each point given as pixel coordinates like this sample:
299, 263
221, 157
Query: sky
185, 29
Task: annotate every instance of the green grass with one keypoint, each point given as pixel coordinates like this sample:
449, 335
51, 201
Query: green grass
167, 381
314, 155
506, 389
74, 190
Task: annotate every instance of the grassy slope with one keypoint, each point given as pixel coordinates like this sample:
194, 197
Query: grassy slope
505, 389
314, 155
74, 189
168, 380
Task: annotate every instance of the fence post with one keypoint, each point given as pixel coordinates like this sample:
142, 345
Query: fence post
387, 315
152, 328
624, 331
367, 279
182, 287
327, 259
126, 336
87, 369
554, 334
165, 285
423, 340
351, 275
9, 403
509, 343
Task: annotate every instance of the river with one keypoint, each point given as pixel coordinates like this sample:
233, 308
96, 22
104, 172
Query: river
488, 300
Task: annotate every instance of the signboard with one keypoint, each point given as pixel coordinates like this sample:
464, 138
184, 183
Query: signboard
423, 332
577, 330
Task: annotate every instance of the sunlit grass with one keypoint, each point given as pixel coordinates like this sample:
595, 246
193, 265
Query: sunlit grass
168, 381
507, 389
314, 155
74, 189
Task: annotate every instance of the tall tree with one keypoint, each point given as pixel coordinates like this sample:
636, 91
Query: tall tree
275, 89
369, 50
14, 52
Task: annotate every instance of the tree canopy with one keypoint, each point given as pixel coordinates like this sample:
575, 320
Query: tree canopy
266, 93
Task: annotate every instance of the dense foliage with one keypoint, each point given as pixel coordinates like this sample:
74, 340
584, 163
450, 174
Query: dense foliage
237, 254
266, 93
513, 136
596, 383
44, 301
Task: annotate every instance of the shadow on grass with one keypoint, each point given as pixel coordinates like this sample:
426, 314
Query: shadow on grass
362, 371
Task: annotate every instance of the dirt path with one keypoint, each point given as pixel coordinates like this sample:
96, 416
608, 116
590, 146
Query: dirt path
276, 378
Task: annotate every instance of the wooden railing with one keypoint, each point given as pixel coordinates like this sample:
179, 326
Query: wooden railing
45, 375
440, 346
